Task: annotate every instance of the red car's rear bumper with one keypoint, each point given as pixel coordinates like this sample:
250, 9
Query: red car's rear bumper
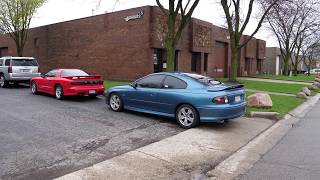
84, 90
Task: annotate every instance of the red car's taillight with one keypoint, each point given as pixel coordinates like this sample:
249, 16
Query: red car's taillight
10, 69
221, 100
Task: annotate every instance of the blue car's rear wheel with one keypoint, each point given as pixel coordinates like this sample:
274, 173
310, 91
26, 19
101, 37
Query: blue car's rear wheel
115, 102
187, 116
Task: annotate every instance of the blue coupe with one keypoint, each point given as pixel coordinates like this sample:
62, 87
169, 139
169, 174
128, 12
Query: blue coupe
190, 98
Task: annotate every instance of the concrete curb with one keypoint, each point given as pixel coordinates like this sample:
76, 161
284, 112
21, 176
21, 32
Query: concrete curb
244, 159
267, 115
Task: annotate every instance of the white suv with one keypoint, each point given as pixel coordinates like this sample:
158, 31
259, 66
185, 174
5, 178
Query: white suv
17, 69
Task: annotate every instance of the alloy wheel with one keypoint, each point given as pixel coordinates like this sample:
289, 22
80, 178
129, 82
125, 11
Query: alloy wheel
59, 92
115, 102
33, 88
186, 116
2, 81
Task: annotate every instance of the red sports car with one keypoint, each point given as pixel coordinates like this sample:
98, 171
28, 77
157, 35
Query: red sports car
67, 82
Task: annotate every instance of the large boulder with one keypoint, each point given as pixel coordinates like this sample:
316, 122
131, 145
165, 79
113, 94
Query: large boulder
302, 95
260, 100
317, 80
317, 84
306, 91
313, 87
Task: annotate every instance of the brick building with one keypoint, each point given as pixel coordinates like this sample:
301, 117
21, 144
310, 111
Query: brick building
128, 44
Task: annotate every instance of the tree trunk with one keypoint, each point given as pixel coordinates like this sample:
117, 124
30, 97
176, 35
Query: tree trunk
19, 50
286, 66
234, 65
295, 69
171, 49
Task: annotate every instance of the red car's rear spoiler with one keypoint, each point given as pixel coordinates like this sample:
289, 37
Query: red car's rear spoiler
84, 77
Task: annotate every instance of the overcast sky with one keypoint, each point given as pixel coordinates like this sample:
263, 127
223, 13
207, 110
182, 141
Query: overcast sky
62, 10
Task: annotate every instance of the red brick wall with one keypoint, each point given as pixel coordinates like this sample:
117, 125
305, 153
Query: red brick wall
120, 50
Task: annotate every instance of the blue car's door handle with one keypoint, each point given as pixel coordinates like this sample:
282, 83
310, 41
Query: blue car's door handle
152, 95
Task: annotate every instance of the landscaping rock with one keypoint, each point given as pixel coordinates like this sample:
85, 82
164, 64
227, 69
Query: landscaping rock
317, 84
313, 87
302, 95
260, 100
317, 79
306, 91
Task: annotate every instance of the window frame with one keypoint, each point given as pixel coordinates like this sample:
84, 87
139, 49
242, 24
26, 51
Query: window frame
5, 62
55, 75
163, 83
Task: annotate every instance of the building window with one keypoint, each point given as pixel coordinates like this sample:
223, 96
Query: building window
247, 65
159, 60
36, 42
205, 62
259, 65
196, 62
3, 51
176, 60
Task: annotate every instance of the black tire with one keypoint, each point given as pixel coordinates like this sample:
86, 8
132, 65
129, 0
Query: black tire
187, 116
59, 92
115, 102
34, 88
3, 82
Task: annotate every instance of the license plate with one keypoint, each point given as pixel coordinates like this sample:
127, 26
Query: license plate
237, 99
92, 91
25, 70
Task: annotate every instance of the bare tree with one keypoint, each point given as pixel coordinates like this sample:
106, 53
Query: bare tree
178, 17
292, 21
236, 27
310, 52
15, 18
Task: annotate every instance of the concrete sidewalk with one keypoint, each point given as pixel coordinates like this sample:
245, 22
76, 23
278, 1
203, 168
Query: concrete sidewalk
189, 154
296, 156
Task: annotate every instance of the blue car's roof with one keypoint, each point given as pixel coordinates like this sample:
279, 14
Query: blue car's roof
186, 77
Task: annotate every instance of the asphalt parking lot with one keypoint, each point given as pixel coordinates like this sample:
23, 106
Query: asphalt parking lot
43, 138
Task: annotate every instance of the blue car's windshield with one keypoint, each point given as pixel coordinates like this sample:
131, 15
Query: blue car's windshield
203, 79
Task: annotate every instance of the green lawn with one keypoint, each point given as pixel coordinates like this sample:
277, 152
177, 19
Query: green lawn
272, 87
281, 104
299, 77
109, 84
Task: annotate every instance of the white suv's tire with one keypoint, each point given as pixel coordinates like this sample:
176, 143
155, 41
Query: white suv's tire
3, 82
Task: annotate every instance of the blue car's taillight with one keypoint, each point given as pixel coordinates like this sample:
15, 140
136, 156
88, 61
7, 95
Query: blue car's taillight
221, 100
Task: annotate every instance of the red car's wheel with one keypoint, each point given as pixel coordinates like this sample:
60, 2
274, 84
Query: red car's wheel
34, 88
59, 92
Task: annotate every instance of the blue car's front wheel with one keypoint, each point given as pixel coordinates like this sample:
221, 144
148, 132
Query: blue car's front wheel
187, 116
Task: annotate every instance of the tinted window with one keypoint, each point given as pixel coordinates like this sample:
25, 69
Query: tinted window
203, 79
153, 81
51, 73
24, 62
7, 63
174, 83
73, 72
